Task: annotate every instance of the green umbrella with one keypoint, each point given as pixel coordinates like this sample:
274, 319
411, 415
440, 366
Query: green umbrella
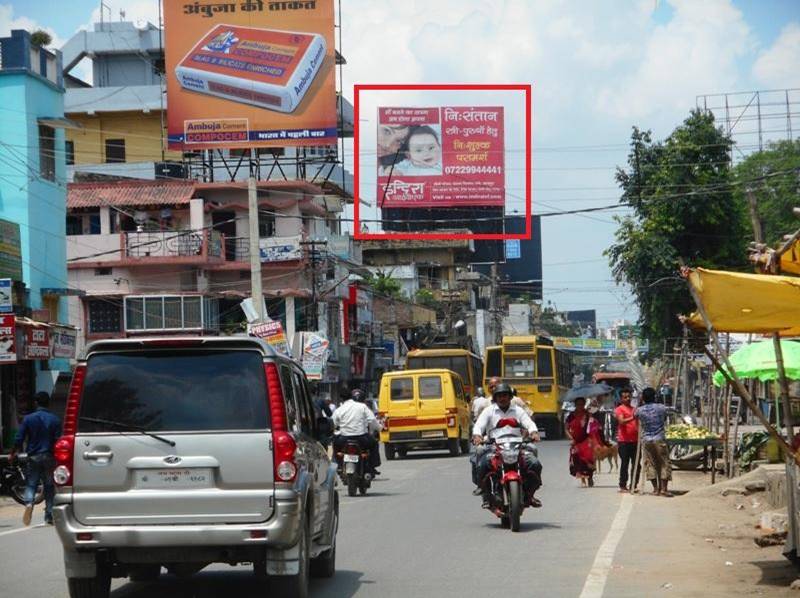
757, 360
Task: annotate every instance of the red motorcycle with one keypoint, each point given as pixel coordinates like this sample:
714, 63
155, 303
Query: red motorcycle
507, 497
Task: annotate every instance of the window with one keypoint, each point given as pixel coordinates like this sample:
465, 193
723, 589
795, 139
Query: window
115, 151
402, 389
74, 224
93, 223
239, 152
288, 396
459, 389
494, 364
266, 225
516, 367
457, 364
104, 316
103, 271
430, 387
171, 312
544, 363
176, 391
47, 152
69, 152
307, 418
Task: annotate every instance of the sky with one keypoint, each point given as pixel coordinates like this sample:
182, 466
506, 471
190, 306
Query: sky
597, 69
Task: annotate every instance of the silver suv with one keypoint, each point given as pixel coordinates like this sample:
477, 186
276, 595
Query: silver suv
181, 452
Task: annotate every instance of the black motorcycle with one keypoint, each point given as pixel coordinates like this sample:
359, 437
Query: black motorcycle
354, 467
13, 480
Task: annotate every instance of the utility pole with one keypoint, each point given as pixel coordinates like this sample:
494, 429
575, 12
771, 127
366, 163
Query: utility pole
314, 299
493, 308
256, 291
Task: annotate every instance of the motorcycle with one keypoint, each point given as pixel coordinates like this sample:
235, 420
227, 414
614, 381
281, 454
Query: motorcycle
14, 479
354, 467
507, 497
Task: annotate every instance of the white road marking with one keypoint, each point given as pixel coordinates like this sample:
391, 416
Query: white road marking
20, 529
598, 574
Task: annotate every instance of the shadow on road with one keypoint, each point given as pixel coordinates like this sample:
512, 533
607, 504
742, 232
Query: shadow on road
240, 583
524, 526
776, 573
422, 456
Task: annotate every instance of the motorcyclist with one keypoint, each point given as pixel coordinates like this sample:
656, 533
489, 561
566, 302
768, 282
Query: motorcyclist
353, 420
502, 408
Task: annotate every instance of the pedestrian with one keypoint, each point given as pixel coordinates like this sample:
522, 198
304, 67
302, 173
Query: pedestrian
653, 417
627, 438
38, 433
585, 436
479, 402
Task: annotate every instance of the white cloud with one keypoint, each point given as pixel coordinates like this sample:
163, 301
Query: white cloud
779, 65
9, 21
698, 51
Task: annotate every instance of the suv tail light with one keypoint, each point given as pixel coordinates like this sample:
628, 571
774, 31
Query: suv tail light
285, 468
64, 449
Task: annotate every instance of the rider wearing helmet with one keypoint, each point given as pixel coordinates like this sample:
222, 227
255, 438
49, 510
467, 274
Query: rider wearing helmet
502, 408
354, 420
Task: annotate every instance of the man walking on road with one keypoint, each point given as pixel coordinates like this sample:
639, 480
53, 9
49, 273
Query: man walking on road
627, 439
38, 432
653, 417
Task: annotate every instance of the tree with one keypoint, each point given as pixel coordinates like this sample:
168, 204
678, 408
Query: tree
683, 209
773, 175
382, 283
41, 38
426, 297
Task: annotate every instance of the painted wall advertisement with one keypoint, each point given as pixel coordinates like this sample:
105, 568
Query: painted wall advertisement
272, 333
8, 336
441, 157
315, 354
250, 73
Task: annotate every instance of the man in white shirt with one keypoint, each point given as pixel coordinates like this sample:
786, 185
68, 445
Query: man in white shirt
479, 403
354, 420
487, 421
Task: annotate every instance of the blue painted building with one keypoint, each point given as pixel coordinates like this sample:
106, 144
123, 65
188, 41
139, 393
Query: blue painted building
33, 197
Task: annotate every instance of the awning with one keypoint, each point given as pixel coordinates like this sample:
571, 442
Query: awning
738, 302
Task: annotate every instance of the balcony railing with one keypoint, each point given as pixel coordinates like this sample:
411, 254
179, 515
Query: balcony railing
173, 244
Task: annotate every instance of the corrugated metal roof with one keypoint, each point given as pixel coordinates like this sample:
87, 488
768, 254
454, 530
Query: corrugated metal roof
129, 193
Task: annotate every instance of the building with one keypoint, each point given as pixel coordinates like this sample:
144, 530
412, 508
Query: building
32, 225
123, 120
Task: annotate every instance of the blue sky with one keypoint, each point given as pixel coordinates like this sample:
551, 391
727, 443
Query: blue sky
597, 69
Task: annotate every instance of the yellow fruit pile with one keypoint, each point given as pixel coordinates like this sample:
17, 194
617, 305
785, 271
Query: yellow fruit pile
687, 432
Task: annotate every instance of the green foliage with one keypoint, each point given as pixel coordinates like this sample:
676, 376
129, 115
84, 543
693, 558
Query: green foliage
554, 323
683, 209
425, 297
382, 283
41, 38
772, 175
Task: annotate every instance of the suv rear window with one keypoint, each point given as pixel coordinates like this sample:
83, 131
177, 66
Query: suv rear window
402, 389
175, 391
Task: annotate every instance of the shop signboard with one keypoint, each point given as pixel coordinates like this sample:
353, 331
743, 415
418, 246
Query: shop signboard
513, 251
37, 342
441, 157
272, 333
315, 354
10, 251
250, 73
280, 249
62, 340
6, 298
8, 348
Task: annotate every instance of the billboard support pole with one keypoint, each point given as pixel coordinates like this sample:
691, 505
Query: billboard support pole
255, 255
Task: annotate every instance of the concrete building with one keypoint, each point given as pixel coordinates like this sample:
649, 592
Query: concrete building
32, 207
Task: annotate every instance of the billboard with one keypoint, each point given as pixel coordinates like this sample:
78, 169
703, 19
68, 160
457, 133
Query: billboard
8, 335
441, 157
250, 73
272, 333
10, 251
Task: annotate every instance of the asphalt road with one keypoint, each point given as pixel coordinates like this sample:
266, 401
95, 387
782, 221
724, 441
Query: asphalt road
419, 532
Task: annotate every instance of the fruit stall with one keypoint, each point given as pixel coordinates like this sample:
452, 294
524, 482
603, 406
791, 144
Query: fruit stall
682, 438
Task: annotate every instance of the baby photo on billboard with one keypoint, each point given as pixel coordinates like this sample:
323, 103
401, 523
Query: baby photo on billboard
418, 153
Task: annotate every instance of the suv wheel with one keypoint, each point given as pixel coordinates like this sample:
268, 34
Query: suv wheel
294, 586
325, 564
389, 451
90, 587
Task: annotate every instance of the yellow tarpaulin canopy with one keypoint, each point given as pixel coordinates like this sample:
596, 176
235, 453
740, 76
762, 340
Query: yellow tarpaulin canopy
738, 302
790, 261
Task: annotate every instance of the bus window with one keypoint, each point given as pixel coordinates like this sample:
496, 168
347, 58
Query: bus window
431, 362
518, 367
494, 363
544, 363
477, 373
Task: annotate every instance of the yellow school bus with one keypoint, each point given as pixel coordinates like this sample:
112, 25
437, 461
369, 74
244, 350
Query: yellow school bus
540, 373
461, 361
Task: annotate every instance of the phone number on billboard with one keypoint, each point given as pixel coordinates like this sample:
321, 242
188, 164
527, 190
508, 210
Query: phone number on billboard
473, 170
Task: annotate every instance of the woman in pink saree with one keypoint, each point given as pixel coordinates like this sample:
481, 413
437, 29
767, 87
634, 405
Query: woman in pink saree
586, 435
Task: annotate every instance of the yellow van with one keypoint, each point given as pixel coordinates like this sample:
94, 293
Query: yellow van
423, 409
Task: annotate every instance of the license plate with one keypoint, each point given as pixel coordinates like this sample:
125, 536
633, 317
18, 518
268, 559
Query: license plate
174, 478
431, 434
351, 458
